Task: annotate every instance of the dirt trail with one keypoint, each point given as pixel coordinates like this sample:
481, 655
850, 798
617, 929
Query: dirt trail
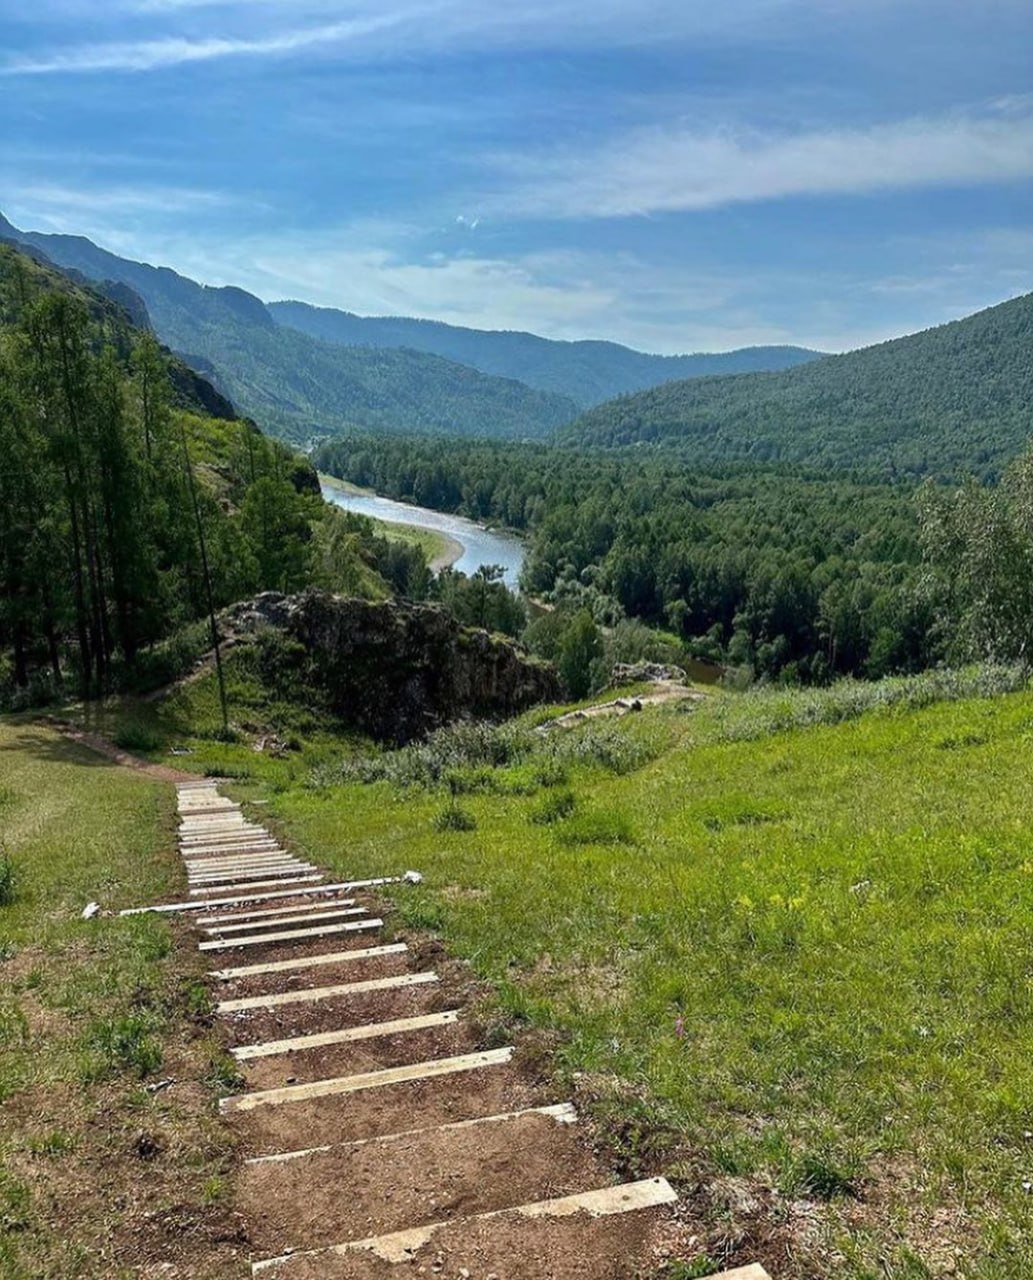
94, 742
380, 1128
664, 691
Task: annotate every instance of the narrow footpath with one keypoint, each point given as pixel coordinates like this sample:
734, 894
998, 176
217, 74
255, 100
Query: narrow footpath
378, 1133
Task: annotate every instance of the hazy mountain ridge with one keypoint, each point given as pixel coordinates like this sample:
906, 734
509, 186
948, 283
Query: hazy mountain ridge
952, 399
117, 311
587, 371
297, 386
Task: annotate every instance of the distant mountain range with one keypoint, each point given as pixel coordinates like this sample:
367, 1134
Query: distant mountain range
954, 399
588, 372
308, 381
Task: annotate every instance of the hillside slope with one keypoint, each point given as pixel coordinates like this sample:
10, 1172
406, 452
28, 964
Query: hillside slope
110, 544
587, 372
297, 386
953, 399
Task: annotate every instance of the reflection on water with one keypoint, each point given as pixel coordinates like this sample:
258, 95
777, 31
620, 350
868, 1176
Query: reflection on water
480, 546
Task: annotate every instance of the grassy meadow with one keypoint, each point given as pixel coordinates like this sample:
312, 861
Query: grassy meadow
98, 1174
780, 944
791, 964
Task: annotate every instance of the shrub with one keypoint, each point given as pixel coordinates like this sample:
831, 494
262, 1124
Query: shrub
554, 807
452, 818
459, 753
606, 745
165, 663
763, 710
126, 1043
603, 827
8, 888
139, 737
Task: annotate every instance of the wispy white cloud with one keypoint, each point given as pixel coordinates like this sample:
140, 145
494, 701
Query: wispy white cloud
416, 27
661, 170
47, 198
148, 55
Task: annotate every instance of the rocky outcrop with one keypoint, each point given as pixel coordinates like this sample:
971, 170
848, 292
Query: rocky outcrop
648, 673
397, 670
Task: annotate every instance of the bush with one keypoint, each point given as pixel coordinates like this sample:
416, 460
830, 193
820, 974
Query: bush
607, 745
554, 807
604, 827
139, 737
165, 663
8, 887
453, 818
765, 710
458, 754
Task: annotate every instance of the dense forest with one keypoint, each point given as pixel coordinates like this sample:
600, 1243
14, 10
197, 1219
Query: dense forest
127, 511
951, 401
780, 572
777, 569
586, 372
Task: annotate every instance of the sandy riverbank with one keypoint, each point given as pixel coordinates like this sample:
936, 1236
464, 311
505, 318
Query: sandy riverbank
441, 549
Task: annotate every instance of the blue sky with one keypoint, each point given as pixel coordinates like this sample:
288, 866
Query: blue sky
671, 174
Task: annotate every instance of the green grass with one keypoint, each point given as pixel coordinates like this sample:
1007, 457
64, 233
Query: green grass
184, 730
794, 955
90, 1010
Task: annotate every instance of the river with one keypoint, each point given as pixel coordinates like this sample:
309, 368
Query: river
479, 545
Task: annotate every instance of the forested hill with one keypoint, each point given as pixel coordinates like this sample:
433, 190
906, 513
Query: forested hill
587, 372
950, 400
128, 510
297, 386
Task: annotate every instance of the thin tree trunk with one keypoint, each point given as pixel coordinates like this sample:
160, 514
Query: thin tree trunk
207, 582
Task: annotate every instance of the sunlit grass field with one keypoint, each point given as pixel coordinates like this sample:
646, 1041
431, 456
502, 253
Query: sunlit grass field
90, 1012
802, 958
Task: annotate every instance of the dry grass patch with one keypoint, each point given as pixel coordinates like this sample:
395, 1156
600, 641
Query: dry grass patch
112, 1160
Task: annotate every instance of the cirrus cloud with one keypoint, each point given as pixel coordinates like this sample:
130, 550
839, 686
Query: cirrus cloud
663, 170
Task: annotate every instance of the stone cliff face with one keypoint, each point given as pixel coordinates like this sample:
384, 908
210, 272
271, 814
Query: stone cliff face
396, 670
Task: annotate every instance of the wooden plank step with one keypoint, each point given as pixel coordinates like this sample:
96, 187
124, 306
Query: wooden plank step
245, 850
224, 829
273, 912
261, 884
429, 1070
344, 1035
230, 877
275, 999
335, 914
225, 857
448, 1170
562, 1113
249, 844
210, 866
220, 840
307, 962
753, 1272
344, 886
400, 1246
291, 935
